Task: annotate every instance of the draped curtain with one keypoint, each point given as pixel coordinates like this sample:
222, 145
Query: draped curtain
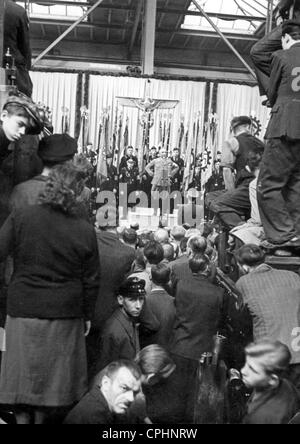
237, 100
104, 91
57, 91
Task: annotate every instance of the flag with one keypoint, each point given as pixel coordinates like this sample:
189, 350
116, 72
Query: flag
84, 130
115, 133
188, 171
101, 164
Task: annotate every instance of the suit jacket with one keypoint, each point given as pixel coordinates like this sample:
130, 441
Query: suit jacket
273, 299
16, 37
276, 406
119, 340
199, 306
116, 260
92, 409
162, 306
284, 94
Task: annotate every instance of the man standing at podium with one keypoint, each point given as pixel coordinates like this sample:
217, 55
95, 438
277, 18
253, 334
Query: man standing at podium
162, 170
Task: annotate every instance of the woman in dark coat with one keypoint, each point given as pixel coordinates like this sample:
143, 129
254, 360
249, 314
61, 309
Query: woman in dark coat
50, 299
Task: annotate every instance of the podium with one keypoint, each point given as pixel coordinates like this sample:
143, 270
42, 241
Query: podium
147, 218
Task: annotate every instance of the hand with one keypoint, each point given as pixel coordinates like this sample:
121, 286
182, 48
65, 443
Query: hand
87, 328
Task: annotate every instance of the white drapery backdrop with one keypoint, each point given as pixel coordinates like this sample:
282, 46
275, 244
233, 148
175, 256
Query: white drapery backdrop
105, 89
57, 91
237, 100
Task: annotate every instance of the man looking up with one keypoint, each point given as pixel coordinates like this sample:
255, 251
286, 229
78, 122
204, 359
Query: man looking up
115, 389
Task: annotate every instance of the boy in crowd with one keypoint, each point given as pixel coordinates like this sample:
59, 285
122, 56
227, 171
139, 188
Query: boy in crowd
120, 337
274, 399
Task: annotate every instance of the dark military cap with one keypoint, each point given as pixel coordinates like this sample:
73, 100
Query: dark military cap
240, 120
57, 148
133, 287
32, 109
109, 156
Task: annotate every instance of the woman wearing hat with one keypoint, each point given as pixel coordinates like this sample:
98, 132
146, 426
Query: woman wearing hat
50, 299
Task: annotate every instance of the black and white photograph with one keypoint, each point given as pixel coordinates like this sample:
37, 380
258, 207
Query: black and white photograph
149, 215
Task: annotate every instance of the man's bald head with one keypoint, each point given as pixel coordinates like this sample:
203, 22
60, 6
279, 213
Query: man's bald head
161, 236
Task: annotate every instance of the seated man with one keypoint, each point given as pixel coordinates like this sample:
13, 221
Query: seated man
274, 399
252, 231
115, 389
232, 206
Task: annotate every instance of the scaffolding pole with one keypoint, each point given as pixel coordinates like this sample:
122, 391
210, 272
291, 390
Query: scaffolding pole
269, 24
215, 27
70, 29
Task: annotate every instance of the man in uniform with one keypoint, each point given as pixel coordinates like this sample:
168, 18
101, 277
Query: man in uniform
162, 170
129, 155
279, 179
129, 175
177, 179
16, 39
111, 182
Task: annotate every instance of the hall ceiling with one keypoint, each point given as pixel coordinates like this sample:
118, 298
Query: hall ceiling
110, 37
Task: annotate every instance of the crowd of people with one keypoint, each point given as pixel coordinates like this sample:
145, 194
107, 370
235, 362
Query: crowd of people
113, 325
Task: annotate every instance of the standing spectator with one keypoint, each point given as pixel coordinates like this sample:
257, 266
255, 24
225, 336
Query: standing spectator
273, 299
178, 178
199, 316
53, 150
161, 236
130, 237
169, 253
116, 260
17, 39
180, 268
162, 305
50, 299
279, 178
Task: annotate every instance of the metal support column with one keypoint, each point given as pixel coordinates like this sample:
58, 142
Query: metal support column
2, 8
70, 29
270, 13
148, 38
224, 38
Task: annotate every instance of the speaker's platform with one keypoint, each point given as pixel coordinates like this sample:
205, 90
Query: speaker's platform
147, 218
